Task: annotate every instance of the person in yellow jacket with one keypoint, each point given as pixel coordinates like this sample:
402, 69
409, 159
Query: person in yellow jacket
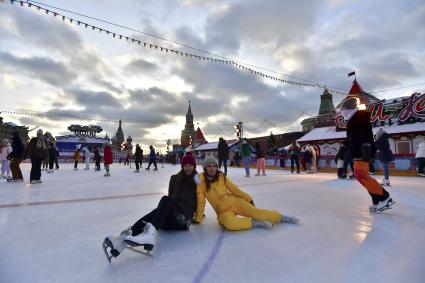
228, 201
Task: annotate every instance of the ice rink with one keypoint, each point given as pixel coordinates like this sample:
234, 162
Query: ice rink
52, 232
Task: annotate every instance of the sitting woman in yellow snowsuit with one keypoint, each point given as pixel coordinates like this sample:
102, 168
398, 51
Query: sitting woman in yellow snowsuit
229, 201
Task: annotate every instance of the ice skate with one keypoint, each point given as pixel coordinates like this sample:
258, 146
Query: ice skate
11, 180
75, 169
113, 246
384, 205
156, 169
264, 174
262, 224
136, 171
35, 181
421, 174
289, 219
145, 239
385, 182
107, 174
258, 174
247, 175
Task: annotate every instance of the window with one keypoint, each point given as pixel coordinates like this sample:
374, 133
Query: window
403, 147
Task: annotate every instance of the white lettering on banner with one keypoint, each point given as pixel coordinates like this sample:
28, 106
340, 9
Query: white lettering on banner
414, 108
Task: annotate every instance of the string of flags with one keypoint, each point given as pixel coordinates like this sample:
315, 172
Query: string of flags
163, 49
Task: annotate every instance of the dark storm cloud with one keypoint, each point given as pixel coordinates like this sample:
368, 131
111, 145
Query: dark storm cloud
93, 99
44, 69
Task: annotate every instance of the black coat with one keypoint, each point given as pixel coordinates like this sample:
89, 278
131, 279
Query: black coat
96, 155
359, 132
18, 148
138, 155
184, 194
53, 153
308, 156
223, 150
259, 153
385, 153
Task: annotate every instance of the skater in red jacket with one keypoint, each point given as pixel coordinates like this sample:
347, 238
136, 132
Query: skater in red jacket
107, 158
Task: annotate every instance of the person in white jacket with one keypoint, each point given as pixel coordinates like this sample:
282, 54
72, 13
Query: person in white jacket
420, 156
5, 150
86, 157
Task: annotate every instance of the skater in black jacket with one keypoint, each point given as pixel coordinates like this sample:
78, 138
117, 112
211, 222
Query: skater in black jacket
174, 212
97, 158
138, 157
223, 154
362, 149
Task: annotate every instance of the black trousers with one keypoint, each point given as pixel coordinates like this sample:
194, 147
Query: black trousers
294, 159
51, 163
75, 164
138, 164
154, 163
97, 164
345, 168
224, 162
167, 216
35, 173
372, 166
421, 164
57, 163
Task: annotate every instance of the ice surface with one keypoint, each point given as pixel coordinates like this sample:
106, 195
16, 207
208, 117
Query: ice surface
52, 232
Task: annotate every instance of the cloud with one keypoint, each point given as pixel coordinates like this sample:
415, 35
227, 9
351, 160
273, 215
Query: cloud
142, 66
45, 69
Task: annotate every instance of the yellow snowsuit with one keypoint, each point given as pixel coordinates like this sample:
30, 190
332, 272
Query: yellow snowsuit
229, 201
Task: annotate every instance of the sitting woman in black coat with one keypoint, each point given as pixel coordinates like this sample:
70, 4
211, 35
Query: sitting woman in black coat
174, 212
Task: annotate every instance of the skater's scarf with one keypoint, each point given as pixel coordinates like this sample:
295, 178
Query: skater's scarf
211, 179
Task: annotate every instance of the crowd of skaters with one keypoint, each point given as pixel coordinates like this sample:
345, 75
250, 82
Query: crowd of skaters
44, 155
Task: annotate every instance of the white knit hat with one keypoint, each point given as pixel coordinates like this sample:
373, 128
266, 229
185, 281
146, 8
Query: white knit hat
208, 160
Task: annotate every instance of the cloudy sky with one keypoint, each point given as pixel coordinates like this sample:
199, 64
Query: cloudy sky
50, 66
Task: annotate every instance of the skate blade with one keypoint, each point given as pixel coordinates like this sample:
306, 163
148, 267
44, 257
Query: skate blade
105, 245
133, 245
133, 249
389, 206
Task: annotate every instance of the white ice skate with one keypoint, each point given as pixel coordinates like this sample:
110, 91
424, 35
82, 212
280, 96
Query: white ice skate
145, 239
113, 246
384, 205
289, 219
385, 182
